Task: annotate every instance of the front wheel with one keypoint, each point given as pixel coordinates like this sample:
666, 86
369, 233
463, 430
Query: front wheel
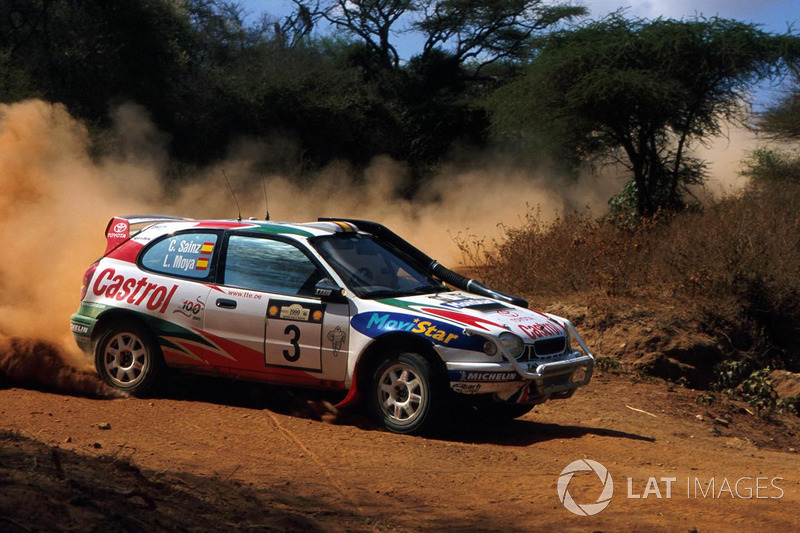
406, 395
128, 358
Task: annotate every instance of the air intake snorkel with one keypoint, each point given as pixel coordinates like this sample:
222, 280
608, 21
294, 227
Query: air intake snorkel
435, 268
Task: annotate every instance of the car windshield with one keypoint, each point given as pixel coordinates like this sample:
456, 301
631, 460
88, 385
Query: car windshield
374, 269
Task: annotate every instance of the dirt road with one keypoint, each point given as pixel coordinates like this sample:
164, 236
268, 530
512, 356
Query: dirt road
217, 455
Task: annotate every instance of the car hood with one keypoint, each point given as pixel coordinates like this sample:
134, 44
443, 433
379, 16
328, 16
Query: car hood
480, 313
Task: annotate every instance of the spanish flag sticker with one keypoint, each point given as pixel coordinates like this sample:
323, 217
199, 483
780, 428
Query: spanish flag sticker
207, 248
202, 263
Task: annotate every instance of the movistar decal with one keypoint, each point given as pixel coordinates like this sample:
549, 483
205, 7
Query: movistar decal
374, 324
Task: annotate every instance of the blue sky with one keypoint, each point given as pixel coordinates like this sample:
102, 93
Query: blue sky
774, 15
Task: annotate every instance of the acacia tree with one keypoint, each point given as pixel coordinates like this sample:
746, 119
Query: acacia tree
428, 102
782, 120
486, 31
483, 31
641, 93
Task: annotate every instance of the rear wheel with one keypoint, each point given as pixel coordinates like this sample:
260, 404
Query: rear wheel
406, 394
128, 358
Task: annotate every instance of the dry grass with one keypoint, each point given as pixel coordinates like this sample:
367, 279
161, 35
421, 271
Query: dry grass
735, 264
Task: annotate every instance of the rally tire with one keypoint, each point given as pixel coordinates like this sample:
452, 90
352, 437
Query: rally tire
406, 394
128, 358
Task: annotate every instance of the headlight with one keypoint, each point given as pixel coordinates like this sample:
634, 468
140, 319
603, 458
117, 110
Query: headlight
512, 343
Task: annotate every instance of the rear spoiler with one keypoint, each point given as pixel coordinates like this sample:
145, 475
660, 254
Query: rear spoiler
434, 267
118, 229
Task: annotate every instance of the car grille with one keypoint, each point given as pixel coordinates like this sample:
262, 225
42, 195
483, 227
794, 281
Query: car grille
544, 349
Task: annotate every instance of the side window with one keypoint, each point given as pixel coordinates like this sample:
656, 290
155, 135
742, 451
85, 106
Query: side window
187, 255
270, 266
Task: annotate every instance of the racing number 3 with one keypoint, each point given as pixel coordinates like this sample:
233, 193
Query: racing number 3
292, 329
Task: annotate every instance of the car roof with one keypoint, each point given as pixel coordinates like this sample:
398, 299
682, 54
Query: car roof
306, 229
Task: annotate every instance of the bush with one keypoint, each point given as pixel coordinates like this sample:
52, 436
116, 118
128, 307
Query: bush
735, 263
570, 254
772, 166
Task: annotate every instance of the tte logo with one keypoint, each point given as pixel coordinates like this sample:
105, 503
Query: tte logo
586, 509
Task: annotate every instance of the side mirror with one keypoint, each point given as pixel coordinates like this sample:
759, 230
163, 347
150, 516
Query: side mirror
329, 291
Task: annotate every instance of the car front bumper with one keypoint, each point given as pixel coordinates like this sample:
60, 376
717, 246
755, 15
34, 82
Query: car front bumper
538, 383
528, 382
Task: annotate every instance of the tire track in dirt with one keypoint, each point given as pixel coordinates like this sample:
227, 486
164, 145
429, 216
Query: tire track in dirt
331, 477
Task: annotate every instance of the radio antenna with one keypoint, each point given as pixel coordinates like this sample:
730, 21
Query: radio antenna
266, 198
232, 194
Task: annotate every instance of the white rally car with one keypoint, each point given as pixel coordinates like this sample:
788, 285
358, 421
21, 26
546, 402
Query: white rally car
344, 305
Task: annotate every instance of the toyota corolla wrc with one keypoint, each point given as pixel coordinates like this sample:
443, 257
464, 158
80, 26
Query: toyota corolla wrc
338, 304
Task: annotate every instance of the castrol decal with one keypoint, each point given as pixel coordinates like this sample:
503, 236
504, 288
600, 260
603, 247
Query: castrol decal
135, 291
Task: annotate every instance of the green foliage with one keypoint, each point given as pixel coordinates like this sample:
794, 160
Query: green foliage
767, 165
790, 405
640, 94
707, 399
757, 390
607, 364
87, 53
208, 78
730, 374
488, 30
782, 120
431, 103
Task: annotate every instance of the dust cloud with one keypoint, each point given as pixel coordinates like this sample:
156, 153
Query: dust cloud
724, 156
58, 195
458, 201
54, 200
45, 365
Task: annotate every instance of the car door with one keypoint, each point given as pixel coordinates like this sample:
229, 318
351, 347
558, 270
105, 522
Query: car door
184, 264
266, 314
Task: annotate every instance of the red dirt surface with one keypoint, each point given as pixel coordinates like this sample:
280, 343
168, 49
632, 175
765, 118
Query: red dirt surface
218, 455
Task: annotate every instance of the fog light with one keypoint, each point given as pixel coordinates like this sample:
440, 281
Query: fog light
490, 348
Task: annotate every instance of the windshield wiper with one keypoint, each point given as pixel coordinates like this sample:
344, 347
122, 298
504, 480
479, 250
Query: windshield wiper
384, 293
428, 289
387, 293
